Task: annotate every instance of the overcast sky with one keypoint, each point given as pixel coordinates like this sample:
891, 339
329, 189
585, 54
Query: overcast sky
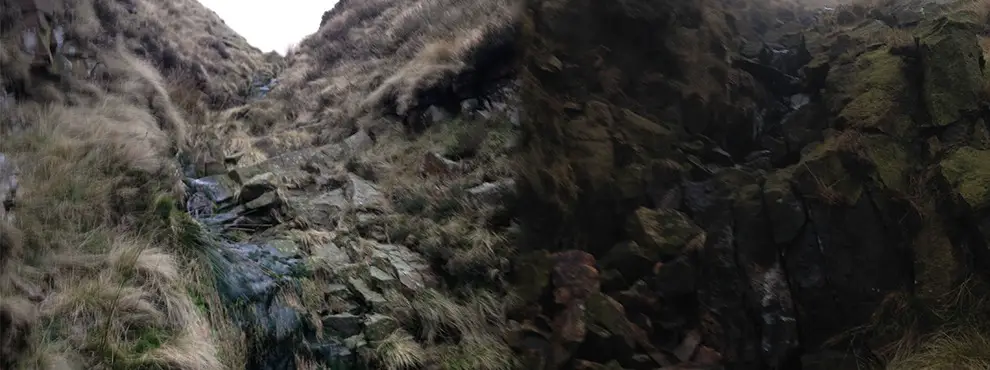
271, 24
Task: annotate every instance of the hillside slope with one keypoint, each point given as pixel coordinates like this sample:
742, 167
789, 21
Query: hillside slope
99, 266
377, 59
498, 184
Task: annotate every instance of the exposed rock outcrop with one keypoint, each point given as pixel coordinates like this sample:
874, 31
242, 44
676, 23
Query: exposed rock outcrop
751, 207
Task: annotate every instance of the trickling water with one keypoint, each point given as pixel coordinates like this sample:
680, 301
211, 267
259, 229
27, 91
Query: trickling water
252, 280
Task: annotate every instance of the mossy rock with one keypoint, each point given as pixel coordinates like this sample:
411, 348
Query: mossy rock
880, 92
822, 175
891, 159
660, 233
531, 274
968, 171
604, 311
951, 57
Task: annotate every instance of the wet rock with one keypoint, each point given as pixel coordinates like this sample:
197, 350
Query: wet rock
250, 277
217, 188
343, 325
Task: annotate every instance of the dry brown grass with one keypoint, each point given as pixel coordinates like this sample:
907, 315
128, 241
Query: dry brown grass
100, 267
108, 274
374, 57
458, 327
460, 333
180, 36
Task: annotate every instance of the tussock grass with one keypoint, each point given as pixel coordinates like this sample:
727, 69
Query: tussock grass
948, 332
379, 57
399, 351
99, 265
458, 326
955, 348
112, 289
444, 221
458, 333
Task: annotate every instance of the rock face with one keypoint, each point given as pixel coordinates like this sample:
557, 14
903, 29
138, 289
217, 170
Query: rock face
742, 209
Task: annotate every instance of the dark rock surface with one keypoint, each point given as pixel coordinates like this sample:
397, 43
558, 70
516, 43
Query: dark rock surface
742, 195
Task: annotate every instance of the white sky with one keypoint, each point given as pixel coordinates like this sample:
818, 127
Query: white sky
271, 25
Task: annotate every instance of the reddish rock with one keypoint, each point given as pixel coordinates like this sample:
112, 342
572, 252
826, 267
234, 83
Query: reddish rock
574, 279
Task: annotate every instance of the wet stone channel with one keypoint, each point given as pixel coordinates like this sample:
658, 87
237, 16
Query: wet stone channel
254, 280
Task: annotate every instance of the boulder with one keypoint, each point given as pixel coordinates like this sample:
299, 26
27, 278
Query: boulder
343, 325
574, 280
968, 172
257, 186
660, 234
873, 92
605, 312
378, 327
363, 195
410, 271
953, 66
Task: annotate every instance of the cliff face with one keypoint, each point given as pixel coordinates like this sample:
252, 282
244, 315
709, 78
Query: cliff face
701, 194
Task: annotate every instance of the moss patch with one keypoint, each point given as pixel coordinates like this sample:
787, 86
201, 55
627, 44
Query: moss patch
968, 170
880, 94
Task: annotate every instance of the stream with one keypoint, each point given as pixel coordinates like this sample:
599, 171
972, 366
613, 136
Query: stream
254, 280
